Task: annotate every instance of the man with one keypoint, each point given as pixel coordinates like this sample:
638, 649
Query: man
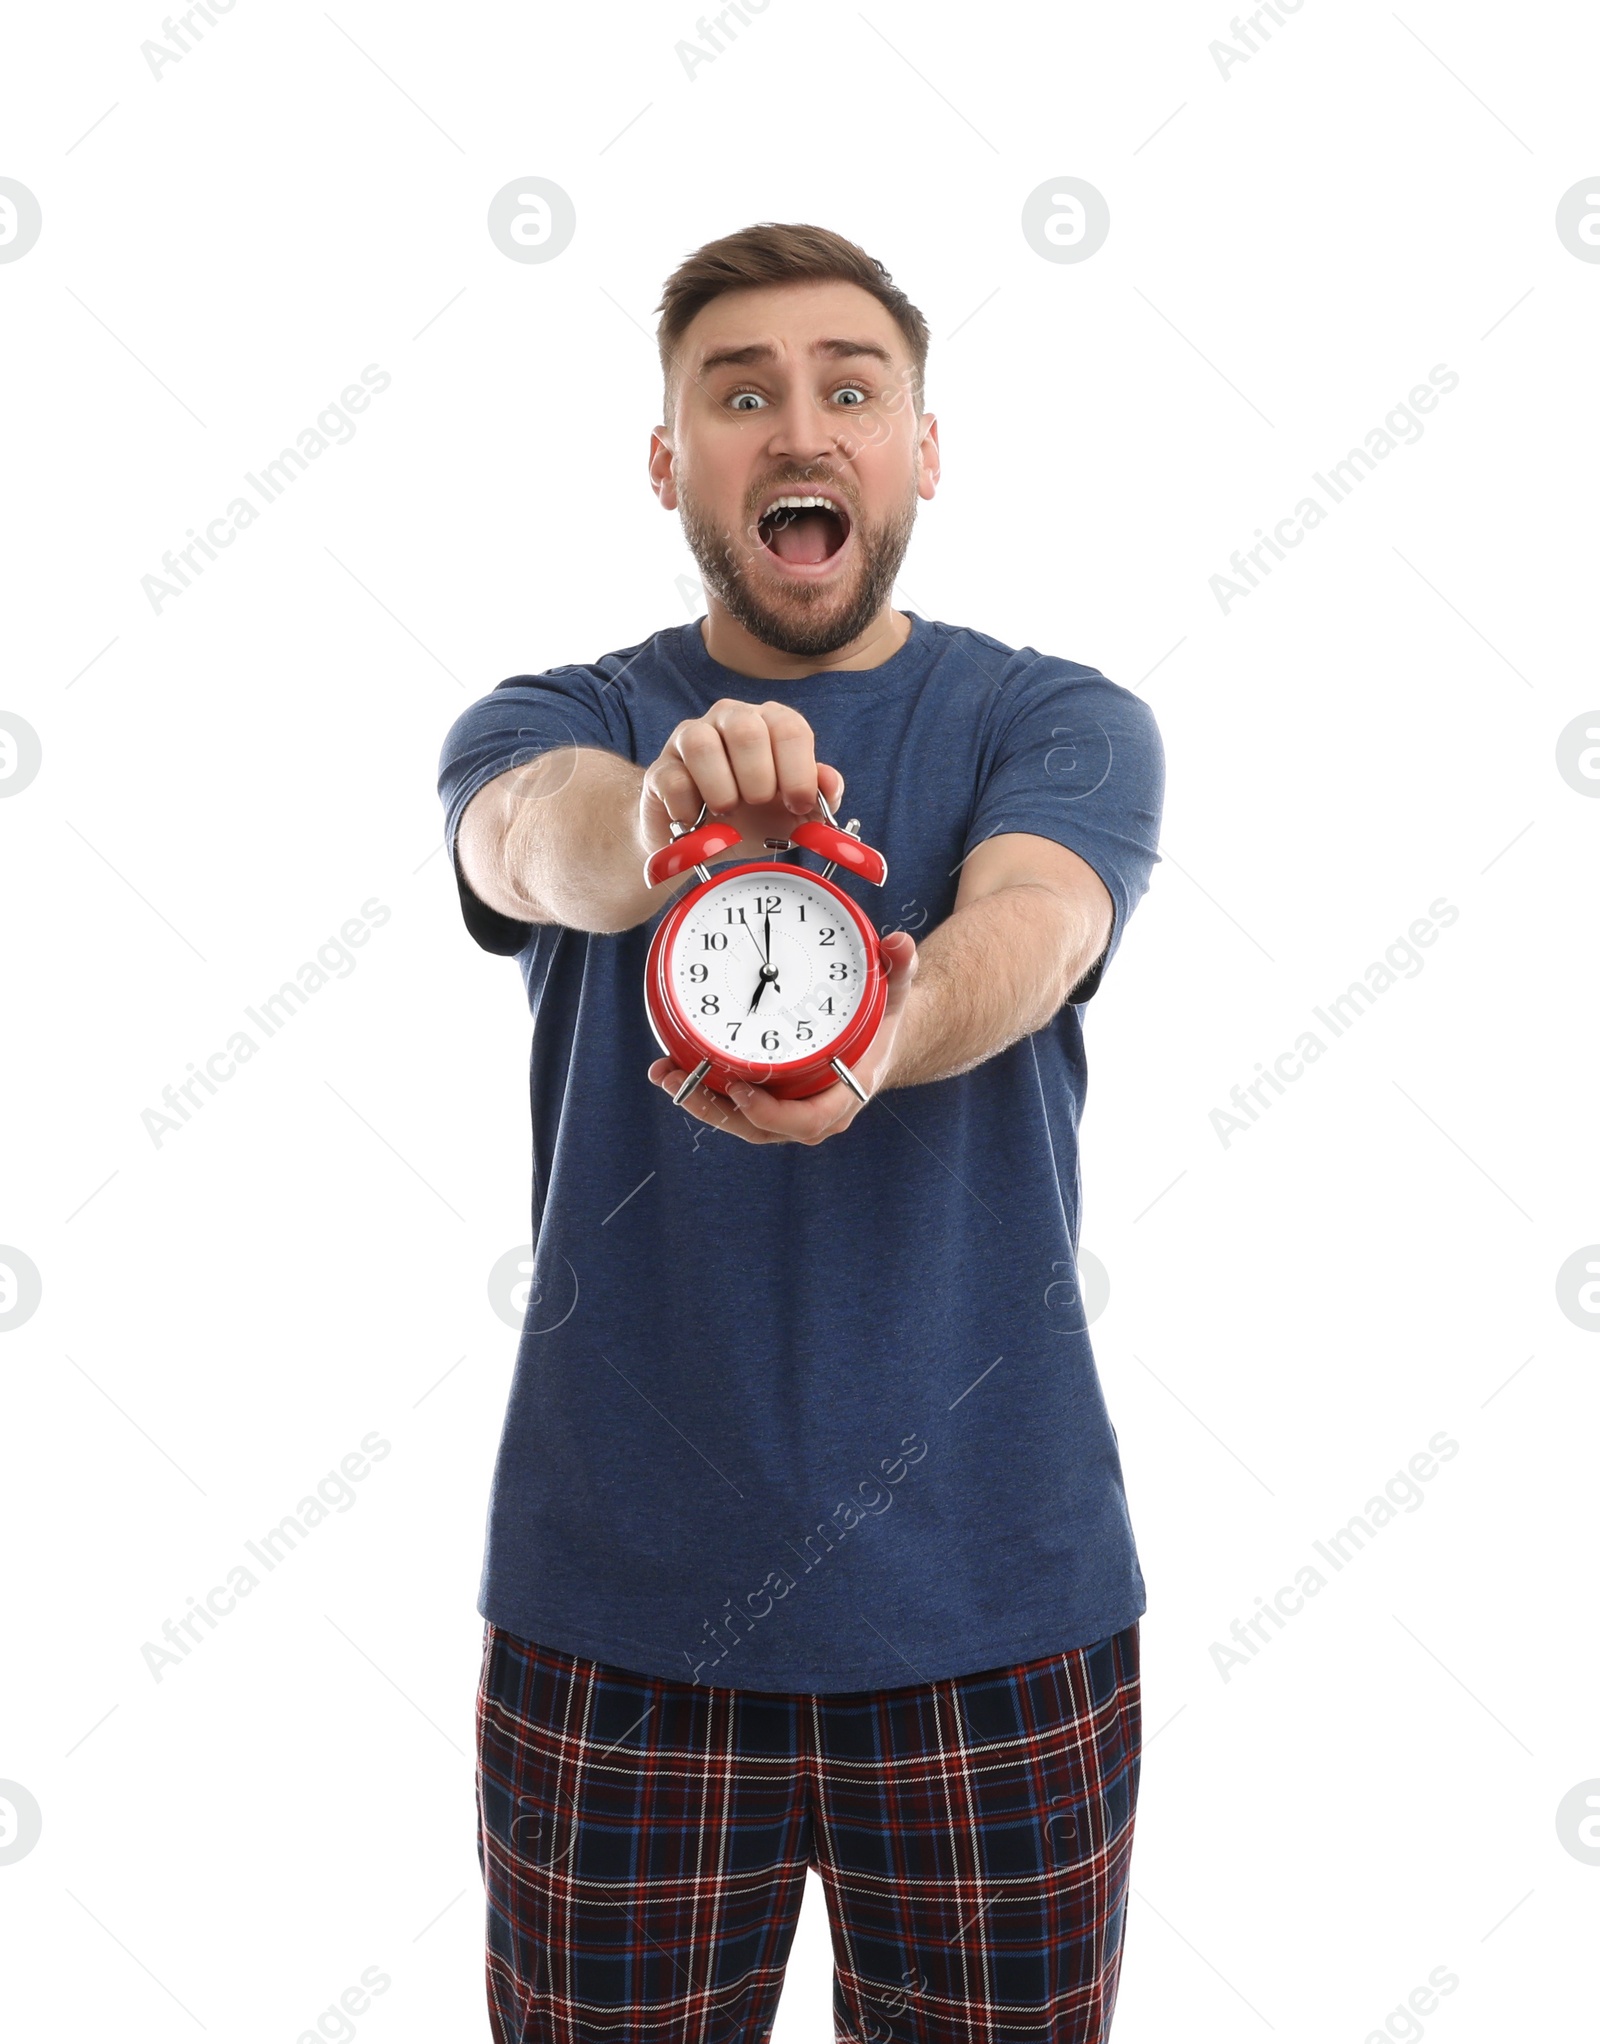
808, 1542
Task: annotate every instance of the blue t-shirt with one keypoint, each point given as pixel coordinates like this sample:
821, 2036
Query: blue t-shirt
816, 1418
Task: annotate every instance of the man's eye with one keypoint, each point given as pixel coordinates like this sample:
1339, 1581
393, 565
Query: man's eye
850, 390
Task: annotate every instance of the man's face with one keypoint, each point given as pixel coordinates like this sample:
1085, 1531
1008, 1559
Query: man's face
798, 390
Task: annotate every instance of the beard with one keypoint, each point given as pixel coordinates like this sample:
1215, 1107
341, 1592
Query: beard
808, 620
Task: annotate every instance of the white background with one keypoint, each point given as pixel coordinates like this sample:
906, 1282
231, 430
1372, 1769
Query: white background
224, 783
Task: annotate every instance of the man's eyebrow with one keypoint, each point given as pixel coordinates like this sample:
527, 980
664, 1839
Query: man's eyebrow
763, 351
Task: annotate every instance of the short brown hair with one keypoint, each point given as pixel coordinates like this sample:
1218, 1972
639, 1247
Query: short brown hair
775, 253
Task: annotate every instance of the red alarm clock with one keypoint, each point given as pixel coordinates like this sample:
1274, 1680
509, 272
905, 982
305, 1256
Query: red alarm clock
766, 971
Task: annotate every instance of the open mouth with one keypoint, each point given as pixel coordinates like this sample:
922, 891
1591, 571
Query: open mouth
803, 528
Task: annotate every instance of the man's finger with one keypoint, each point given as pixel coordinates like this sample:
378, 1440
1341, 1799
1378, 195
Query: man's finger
903, 963
708, 1106
798, 1120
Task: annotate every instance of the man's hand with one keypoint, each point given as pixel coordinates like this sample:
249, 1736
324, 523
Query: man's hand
761, 1117
753, 763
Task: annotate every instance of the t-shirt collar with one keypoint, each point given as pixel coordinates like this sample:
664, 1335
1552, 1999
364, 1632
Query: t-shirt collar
906, 659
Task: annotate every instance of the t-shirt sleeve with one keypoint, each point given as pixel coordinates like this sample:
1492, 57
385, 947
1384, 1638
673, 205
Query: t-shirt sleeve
522, 718
1078, 759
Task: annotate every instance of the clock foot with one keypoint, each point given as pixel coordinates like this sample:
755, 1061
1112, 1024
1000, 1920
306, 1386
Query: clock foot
691, 1082
849, 1078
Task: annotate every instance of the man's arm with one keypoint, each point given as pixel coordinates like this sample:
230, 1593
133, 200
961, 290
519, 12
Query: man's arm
564, 838
557, 841
1029, 922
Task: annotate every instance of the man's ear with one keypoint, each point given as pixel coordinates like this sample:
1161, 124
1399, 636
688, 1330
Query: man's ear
928, 456
660, 465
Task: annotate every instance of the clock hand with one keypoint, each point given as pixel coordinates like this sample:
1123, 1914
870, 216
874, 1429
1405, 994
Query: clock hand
761, 985
769, 976
769, 972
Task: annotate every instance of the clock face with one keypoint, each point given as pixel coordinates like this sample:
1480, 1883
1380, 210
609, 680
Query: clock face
769, 967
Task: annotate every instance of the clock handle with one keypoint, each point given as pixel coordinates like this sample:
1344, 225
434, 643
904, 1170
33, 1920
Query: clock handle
690, 845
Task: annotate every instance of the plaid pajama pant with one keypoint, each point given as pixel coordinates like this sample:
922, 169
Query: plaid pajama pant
644, 1846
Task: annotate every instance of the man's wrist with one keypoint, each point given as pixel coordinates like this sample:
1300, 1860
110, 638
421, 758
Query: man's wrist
900, 1067
991, 973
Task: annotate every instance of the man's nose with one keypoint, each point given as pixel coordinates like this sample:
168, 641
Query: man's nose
803, 430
